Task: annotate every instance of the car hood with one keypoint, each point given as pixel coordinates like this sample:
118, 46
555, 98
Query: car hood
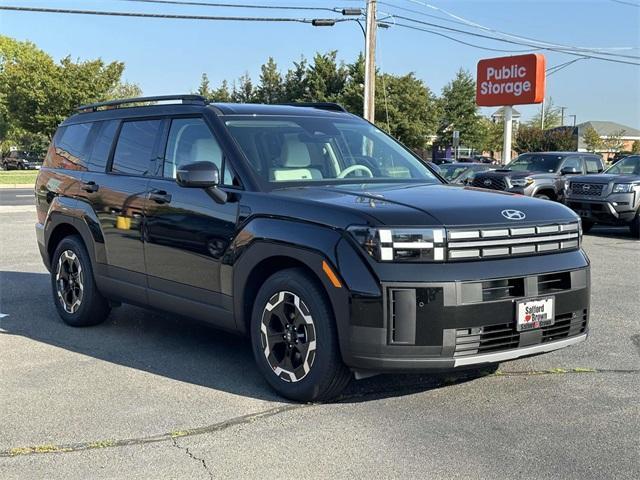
518, 174
605, 178
426, 204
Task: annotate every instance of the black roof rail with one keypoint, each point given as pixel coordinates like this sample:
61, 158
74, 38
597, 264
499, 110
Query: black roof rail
331, 106
186, 99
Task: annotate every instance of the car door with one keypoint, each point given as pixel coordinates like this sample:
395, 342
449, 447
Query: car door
186, 231
117, 194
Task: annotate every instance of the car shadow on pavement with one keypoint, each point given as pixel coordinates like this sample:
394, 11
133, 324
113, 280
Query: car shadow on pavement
167, 345
605, 231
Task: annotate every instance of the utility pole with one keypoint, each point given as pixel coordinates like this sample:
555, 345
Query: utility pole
508, 128
370, 62
542, 116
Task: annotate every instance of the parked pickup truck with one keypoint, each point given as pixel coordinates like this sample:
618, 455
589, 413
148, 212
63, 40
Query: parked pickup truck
540, 175
612, 198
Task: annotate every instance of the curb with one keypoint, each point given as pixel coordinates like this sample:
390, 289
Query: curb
17, 185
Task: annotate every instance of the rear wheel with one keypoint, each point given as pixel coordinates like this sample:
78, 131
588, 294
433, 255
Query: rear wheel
77, 299
20, 166
635, 226
5, 166
294, 338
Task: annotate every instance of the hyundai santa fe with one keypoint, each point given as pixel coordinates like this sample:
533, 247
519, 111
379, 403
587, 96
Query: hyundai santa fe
325, 241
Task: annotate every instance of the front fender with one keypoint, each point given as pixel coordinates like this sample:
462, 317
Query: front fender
306, 243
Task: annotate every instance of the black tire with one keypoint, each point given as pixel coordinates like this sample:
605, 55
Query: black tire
542, 196
20, 166
587, 225
5, 166
326, 375
634, 227
88, 307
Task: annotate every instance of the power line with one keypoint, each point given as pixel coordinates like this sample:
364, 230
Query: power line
514, 42
631, 4
232, 5
163, 15
459, 19
440, 34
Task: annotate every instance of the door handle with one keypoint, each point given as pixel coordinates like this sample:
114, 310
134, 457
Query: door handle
90, 187
160, 196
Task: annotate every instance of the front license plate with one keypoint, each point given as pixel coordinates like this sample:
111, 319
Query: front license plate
531, 314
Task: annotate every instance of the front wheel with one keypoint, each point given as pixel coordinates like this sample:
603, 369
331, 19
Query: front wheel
295, 340
542, 196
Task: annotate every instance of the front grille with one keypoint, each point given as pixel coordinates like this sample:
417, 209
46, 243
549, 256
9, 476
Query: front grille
589, 189
566, 325
493, 338
482, 244
502, 289
491, 182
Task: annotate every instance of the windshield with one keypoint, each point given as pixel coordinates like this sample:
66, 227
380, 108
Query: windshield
451, 172
626, 166
322, 150
536, 162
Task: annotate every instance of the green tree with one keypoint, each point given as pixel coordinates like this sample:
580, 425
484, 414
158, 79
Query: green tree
592, 139
635, 146
552, 116
460, 112
529, 139
559, 140
125, 90
614, 142
491, 135
326, 79
221, 94
296, 84
38, 93
245, 91
414, 126
271, 88
204, 88
352, 97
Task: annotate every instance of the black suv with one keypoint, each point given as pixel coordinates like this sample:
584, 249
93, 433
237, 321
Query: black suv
326, 241
20, 160
540, 175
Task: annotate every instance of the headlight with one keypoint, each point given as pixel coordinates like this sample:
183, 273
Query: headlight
397, 244
622, 187
567, 185
522, 182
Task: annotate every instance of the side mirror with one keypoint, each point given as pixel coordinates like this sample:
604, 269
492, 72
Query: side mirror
569, 171
201, 175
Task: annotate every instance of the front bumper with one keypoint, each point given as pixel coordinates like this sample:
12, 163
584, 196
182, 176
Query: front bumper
434, 326
616, 209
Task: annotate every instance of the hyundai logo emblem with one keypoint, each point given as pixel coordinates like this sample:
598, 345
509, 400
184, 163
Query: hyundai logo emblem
487, 182
513, 214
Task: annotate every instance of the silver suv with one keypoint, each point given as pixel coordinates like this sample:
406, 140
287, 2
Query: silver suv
612, 198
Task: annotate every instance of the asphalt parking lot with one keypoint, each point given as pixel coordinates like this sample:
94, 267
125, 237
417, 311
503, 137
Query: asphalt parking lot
148, 395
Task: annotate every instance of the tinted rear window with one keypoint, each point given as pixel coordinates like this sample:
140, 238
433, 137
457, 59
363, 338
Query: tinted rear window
69, 147
134, 154
103, 140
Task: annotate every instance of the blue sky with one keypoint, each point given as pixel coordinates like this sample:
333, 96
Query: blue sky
167, 56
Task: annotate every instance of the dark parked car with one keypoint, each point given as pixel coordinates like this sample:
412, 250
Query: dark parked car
20, 160
541, 175
612, 198
462, 173
333, 247
477, 159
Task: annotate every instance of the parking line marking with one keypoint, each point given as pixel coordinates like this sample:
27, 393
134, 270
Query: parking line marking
23, 196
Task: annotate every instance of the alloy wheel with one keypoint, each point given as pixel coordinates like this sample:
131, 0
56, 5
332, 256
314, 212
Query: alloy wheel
69, 281
288, 336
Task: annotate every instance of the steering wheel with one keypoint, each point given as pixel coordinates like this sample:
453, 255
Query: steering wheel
354, 168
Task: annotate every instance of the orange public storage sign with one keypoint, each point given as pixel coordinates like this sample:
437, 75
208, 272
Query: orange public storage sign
516, 80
